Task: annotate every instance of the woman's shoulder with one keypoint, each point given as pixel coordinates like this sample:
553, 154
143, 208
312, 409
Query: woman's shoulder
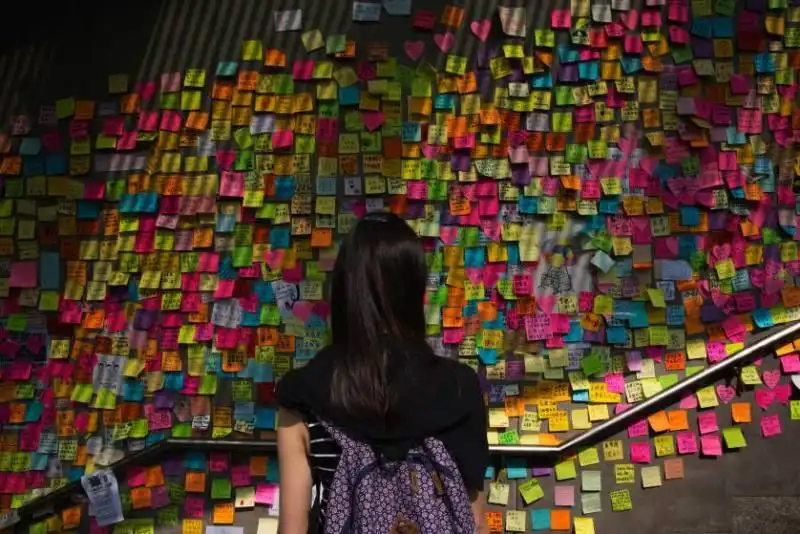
298, 388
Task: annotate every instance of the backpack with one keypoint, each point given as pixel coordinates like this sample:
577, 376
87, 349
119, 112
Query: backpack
422, 494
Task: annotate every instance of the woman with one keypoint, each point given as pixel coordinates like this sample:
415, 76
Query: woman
378, 382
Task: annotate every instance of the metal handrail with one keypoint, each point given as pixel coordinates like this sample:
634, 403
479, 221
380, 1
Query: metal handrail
762, 342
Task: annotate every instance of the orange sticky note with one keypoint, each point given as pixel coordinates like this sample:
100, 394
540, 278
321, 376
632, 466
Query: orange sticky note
659, 421
141, 498
195, 482
453, 16
678, 420
258, 466
71, 518
673, 468
560, 519
740, 411
223, 513
154, 476
274, 58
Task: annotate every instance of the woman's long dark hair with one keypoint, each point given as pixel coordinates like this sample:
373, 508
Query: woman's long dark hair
377, 300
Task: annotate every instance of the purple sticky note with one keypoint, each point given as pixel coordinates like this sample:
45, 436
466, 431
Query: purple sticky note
565, 495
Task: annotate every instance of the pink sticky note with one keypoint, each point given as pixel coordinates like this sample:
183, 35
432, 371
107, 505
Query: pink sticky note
23, 274
282, 139
707, 422
711, 445
240, 475
266, 493
770, 425
560, 18
640, 452
764, 398
638, 429
687, 442
565, 495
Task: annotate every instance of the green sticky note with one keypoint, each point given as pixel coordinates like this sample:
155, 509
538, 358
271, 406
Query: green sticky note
82, 393
252, 50
734, 438
591, 481
65, 107
182, 430
794, 407
167, 516
657, 297
208, 385
170, 100
242, 256
140, 428
221, 488
588, 456
38, 528
566, 470
17, 322
335, 43
531, 491
243, 138
668, 380
591, 364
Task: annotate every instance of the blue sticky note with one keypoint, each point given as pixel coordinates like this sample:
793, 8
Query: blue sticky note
39, 461
528, 204
226, 222
349, 96
516, 468
616, 336
366, 12
543, 81
690, 216
263, 291
227, 68
265, 418
273, 473
540, 518
575, 334
195, 461
173, 381
55, 164
279, 237
412, 132
30, 146
487, 356
146, 202
580, 396
285, 187
475, 257
763, 318
567, 54
703, 27
676, 315
446, 102
723, 27
154, 438
631, 64
75, 474
49, 269
244, 411
512, 250
609, 206
489, 473
33, 412
590, 70
133, 391
87, 209
33, 165
674, 270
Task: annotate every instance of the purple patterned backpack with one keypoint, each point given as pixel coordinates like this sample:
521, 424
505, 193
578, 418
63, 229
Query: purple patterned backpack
423, 494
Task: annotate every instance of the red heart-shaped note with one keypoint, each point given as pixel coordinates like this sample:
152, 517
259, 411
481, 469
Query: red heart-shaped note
721, 252
444, 41
725, 393
764, 398
481, 28
414, 49
771, 378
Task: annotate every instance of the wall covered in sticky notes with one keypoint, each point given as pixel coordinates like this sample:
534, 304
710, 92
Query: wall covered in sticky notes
605, 191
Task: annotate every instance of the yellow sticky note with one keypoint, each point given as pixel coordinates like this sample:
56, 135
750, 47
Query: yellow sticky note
565, 470
312, 40
656, 297
583, 525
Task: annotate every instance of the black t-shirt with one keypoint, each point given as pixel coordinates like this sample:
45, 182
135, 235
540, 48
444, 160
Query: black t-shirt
438, 398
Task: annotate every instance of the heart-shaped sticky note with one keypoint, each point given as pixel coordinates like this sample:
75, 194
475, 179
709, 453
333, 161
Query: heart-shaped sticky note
771, 378
444, 41
721, 252
783, 392
725, 393
414, 49
764, 398
481, 28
